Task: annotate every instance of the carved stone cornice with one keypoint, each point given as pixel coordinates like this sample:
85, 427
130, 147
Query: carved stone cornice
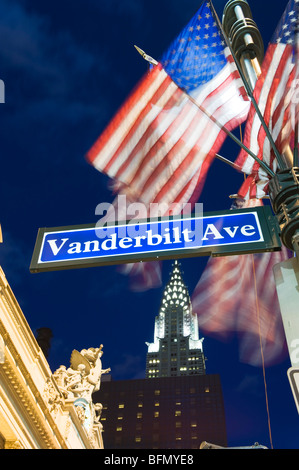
36, 411
13, 445
28, 397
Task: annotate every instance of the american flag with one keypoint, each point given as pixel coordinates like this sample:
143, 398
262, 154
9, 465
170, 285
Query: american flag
236, 295
160, 144
277, 97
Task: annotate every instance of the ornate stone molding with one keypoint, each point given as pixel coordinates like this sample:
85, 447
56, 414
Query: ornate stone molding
29, 407
16, 314
52, 397
13, 445
39, 409
20, 382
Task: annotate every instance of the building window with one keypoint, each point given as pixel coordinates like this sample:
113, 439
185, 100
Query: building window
177, 413
157, 403
119, 428
157, 392
121, 405
140, 404
156, 414
139, 415
137, 439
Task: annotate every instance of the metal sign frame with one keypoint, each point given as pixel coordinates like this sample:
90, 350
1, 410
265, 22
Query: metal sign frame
267, 222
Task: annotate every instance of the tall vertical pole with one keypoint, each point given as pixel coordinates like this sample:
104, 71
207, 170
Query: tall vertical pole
296, 91
283, 187
242, 31
247, 43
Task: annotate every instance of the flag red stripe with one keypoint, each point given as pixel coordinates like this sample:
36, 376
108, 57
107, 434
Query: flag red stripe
153, 100
191, 157
130, 103
272, 94
228, 302
172, 128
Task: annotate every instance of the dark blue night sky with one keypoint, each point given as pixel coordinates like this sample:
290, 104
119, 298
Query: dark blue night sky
67, 67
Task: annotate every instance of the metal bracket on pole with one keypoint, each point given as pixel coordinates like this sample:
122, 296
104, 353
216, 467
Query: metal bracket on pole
284, 196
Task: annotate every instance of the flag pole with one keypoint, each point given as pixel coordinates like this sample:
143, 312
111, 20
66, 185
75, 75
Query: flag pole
250, 94
232, 136
232, 164
210, 116
296, 98
296, 156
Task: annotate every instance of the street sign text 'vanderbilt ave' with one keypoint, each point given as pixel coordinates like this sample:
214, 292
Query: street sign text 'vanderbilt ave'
224, 233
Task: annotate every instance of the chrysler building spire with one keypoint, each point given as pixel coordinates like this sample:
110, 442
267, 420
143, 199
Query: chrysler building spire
177, 349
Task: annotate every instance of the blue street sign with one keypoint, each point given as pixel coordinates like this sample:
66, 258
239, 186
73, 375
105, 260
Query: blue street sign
234, 232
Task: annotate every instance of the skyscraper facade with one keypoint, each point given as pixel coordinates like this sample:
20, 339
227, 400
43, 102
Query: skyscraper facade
176, 349
162, 413
177, 405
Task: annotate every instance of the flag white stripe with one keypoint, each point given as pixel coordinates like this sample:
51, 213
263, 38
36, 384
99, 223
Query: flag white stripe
113, 143
279, 96
210, 105
262, 102
247, 307
144, 125
211, 132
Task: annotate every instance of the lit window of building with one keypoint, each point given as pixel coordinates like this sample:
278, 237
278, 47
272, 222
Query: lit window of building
173, 397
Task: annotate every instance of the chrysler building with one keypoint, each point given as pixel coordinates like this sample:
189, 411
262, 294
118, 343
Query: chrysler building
177, 349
